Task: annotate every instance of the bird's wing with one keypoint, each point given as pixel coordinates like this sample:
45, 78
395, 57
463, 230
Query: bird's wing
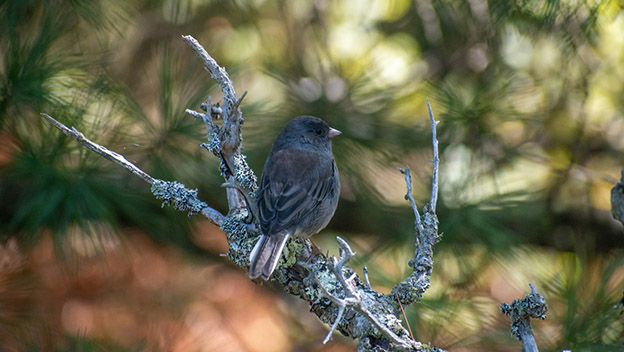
294, 182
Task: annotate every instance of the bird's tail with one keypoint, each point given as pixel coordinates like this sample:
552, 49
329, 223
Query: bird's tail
266, 254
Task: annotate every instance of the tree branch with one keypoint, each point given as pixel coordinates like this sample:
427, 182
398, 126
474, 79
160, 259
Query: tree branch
426, 227
101, 150
335, 293
436, 160
226, 141
171, 192
408, 181
353, 299
521, 310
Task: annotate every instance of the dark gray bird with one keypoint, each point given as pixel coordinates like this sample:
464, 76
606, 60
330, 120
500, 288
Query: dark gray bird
299, 190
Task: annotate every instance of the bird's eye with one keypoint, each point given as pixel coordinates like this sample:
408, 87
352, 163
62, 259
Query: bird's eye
318, 131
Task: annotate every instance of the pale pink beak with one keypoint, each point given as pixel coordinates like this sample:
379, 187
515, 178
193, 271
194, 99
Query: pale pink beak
333, 132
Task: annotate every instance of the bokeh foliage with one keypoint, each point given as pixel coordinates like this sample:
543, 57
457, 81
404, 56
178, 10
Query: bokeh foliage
528, 94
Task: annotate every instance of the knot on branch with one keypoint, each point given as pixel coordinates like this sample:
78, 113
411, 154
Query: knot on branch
176, 195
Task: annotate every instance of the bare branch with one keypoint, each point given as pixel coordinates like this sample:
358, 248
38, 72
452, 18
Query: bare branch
341, 308
426, 229
408, 181
436, 160
217, 72
230, 132
101, 150
225, 142
240, 100
172, 193
521, 310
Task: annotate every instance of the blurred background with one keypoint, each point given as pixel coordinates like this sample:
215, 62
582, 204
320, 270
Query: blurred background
529, 95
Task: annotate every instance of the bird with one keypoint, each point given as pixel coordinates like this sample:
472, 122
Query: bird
298, 192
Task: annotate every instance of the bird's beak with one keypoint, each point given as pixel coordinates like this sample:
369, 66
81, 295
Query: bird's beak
333, 132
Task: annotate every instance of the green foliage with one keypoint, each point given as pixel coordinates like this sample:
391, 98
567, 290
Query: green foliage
48, 182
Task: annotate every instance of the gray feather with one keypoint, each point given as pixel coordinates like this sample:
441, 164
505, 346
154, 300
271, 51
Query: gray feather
266, 254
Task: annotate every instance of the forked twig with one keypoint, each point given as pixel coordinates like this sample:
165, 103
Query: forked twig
353, 299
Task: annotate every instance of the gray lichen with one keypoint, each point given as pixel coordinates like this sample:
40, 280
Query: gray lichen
533, 305
293, 246
240, 242
213, 145
176, 195
245, 177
